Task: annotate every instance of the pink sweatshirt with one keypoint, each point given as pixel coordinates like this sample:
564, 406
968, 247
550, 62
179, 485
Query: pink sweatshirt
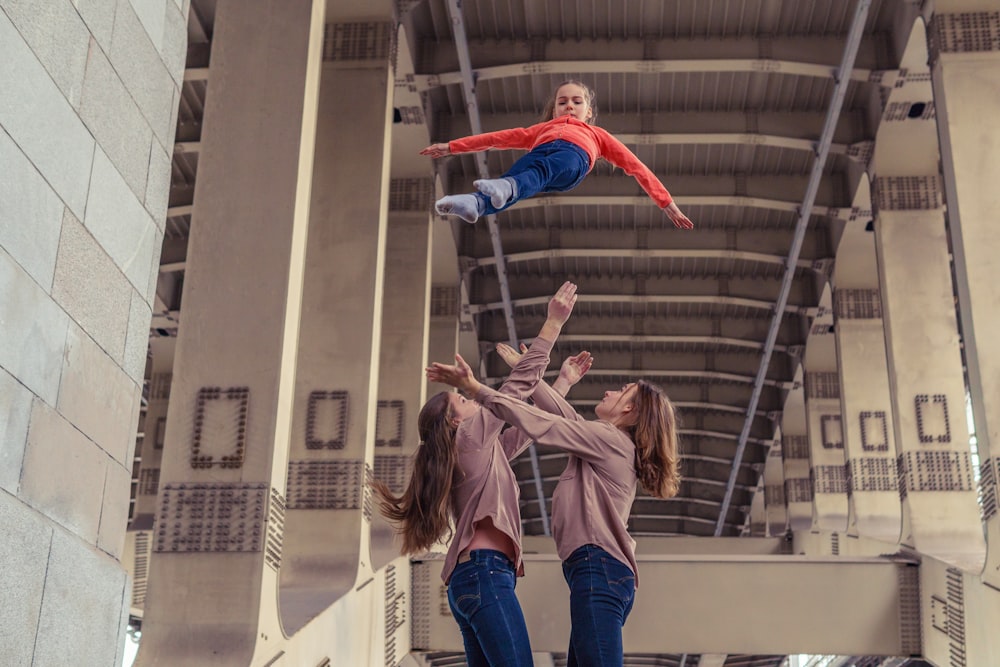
488, 487
592, 139
594, 496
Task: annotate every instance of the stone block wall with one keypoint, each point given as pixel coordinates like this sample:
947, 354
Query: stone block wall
89, 91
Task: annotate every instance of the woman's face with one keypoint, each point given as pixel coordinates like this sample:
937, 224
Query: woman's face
461, 407
616, 403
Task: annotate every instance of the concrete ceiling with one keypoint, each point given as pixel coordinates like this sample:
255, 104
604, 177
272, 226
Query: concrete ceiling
726, 101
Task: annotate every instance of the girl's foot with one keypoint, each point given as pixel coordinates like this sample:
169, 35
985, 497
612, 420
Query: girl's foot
467, 207
499, 190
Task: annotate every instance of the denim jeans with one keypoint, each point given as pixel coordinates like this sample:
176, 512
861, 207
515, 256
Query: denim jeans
556, 166
601, 593
481, 597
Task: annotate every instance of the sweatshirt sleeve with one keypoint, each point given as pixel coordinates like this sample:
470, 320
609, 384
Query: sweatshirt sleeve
619, 155
591, 441
528, 370
517, 137
550, 400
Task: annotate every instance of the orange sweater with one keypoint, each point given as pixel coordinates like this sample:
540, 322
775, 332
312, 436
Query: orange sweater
592, 139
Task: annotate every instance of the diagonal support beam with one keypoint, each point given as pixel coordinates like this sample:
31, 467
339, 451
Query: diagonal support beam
842, 78
468, 83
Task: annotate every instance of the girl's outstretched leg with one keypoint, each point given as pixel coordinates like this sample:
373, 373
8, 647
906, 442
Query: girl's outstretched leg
501, 191
467, 207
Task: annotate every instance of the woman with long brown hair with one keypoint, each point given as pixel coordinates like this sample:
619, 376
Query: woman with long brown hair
633, 440
462, 473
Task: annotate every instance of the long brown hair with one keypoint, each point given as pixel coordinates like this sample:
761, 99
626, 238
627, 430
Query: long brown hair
655, 436
422, 514
550, 107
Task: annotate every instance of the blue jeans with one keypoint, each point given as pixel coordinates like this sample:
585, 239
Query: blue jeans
556, 166
601, 593
481, 597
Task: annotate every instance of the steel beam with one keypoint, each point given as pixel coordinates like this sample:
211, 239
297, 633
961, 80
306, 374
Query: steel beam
467, 78
832, 605
842, 79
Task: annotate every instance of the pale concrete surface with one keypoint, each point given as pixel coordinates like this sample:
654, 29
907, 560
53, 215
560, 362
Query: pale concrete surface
38, 117
116, 122
24, 196
97, 397
63, 473
91, 289
34, 332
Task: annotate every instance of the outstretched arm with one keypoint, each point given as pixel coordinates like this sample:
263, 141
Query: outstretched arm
436, 150
460, 374
572, 371
680, 220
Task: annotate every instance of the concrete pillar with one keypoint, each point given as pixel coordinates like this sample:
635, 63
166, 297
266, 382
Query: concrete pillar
154, 431
217, 546
405, 325
965, 60
139, 542
866, 406
958, 616
775, 507
940, 513
86, 134
939, 509
826, 440
329, 504
795, 458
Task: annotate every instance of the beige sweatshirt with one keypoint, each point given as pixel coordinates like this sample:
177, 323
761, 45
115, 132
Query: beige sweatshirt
487, 486
594, 496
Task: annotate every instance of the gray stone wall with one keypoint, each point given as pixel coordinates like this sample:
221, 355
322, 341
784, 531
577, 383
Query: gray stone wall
89, 91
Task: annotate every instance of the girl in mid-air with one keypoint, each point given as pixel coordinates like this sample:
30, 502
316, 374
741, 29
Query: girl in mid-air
562, 151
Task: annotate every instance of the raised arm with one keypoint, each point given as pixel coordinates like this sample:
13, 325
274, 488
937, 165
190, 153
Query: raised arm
618, 154
460, 374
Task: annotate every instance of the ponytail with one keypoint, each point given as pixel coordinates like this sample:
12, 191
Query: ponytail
422, 514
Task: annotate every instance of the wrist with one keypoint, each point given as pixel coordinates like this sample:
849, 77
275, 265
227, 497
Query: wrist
551, 329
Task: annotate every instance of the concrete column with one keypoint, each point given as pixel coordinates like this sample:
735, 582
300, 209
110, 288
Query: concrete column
405, 326
958, 616
217, 546
965, 60
139, 542
866, 406
940, 514
86, 133
329, 505
795, 458
826, 440
939, 509
775, 507
154, 430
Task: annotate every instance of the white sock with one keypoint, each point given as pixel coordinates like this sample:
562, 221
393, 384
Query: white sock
464, 206
499, 190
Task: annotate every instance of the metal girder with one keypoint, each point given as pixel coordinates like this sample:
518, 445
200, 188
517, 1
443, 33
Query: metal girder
775, 604
842, 79
570, 67
635, 253
754, 304
731, 201
468, 82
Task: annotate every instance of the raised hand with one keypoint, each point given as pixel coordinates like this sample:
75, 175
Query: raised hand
436, 150
575, 367
509, 354
561, 305
680, 220
458, 375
